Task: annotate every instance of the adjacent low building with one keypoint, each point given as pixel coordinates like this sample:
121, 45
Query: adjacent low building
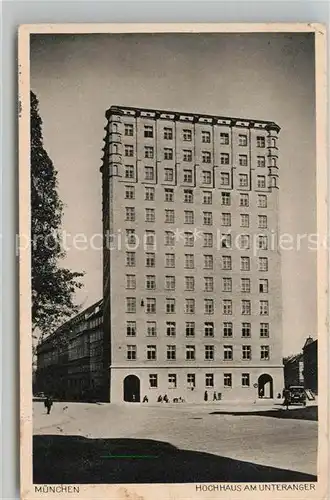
310, 364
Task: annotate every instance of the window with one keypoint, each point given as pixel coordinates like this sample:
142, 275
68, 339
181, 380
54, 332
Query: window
209, 352
190, 329
261, 141
130, 259
188, 217
187, 135
245, 380
189, 239
227, 307
150, 238
131, 352
245, 285
263, 264
171, 352
264, 352
242, 140
243, 160
246, 307
262, 221
169, 260
261, 162
246, 352
189, 283
227, 329
209, 380
226, 241
209, 329
208, 306
170, 328
130, 236
264, 330
245, 263
130, 213
190, 352
206, 177
187, 155
169, 216
191, 380
150, 214
262, 242
225, 199
168, 133
226, 284
130, 281
151, 329
151, 352
206, 136
261, 181
189, 306
207, 197
246, 330
245, 220
264, 308
150, 259
150, 282
243, 180
153, 381
224, 159
244, 242
128, 150
208, 261
169, 194
262, 201
208, 284
168, 174
130, 328
172, 380
169, 238
226, 219
224, 138
170, 306
227, 380
226, 262
188, 196
148, 131
189, 261
227, 352
224, 179
169, 282
128, 129
149, 173
244, 200
149, 194
168, 154
150, 305
187, 176
263, 286
130, 304
129, 171
208, 240
207, 218
206, 157
148, 152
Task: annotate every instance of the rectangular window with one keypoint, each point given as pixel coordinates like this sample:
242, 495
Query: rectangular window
224, 179
188, 217
226, 219
245, 263
187, 135
227, 329
262, 200
150, 214
129, 192
169, 194
208, 284
187, 155
243, 180
245, 380
207, 218
148, 152
263, 286
150, 259
245, 285
151, 352
188, 196
148, 131
131, 328
226, 241
262, 242
130, 304
208, 306
207, 197
243, 160
262, 221
188, 239
261, 162
187, 176
170, 306
150, 238
227, 380
208, 240
261, 181
170, 328
206, 136
226, 262
149, 174
224, 138
172, 380
244, 200
264, 330
151, 329
169, 216
228, 352
153, 381
131, 352
189, 262
190, 329
189, 306
246, 330
168, 174
264, 352
168, 154
208, 261
150, 282
224, 159
169, 239
191, 380
150, 305
130, 214
168, 133
169, 282
169, 260
189, 283
263, 264
128, 150
130, 281
242, 140
209, 329
227, 307
149, 194
190, 353
226, 284
264, 308
128, 129
209, 380
261, 141
246, 307
245, 220
130, 259
244, 242
171, 352
225, 199
209, 352
206, 157
206, 177
129, 172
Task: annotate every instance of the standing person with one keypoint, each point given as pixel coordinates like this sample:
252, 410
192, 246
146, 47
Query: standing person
48, 404
206, 396
286, 396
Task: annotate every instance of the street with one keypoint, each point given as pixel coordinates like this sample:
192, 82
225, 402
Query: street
108, 443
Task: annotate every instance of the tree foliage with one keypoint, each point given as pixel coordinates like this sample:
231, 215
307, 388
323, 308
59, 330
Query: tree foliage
53, 287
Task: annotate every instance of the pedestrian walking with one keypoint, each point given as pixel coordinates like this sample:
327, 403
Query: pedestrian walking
48, 404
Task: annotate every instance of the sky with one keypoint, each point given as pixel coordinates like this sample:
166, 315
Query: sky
266, 76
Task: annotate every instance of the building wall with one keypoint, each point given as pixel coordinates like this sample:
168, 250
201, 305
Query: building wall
310, 366
115, 268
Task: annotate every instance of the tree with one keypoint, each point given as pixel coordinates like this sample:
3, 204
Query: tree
53, 287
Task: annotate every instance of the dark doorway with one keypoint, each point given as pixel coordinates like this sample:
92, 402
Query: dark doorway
265, 386
132, 389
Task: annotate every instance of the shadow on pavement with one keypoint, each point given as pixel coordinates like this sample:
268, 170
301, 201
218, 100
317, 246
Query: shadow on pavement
305, 413
77, 459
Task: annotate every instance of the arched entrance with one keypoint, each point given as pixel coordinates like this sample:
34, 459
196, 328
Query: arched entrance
132, 389
265, 386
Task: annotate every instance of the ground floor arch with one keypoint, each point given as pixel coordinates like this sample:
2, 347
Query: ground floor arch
131, 388
265, 386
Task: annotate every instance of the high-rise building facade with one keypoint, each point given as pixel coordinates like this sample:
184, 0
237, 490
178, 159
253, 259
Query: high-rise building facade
192, 272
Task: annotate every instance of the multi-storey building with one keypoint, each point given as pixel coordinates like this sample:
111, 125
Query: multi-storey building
192, 274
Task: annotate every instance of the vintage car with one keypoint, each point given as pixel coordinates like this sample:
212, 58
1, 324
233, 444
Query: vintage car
297, 395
